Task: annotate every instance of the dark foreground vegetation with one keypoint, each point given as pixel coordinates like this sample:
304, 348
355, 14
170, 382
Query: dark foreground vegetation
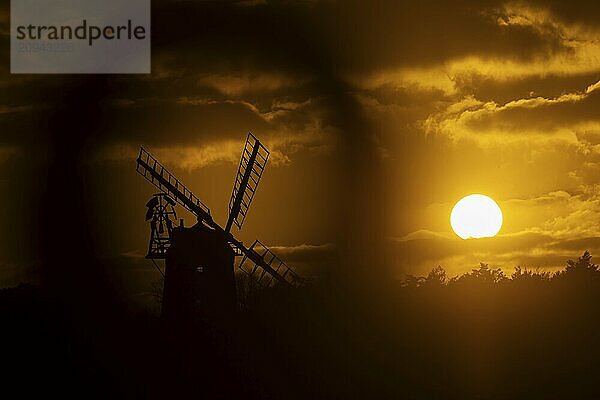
482, 335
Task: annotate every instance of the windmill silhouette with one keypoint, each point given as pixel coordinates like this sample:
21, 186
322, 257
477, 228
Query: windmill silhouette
199, 271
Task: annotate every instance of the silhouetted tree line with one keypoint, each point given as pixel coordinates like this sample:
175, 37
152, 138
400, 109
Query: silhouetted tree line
576, 271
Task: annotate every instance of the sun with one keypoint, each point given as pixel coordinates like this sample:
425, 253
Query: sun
476, 216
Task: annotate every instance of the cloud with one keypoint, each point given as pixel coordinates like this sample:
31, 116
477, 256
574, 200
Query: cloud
306, 259
424, 234
575, 214
565, 49
525, 249
304, 251
592, 88
523, 119
184, 157
487, 122
580, 42
577, 245
414, 79
195, 132
244, 84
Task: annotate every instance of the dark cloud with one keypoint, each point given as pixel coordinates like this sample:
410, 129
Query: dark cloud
309, 260
431, 248
182, 121
321, 39
581, 244
486, 88
537, 114
528, 250
583, 12
382, 34
305, 252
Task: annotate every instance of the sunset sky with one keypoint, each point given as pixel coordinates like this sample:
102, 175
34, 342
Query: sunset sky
379, 116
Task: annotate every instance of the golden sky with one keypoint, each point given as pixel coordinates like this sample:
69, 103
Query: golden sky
511, 113
379, 116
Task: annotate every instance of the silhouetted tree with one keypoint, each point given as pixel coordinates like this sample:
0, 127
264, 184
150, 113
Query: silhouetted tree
581, 272
413, 281
436, 277
482, 275
526, 275
583, 263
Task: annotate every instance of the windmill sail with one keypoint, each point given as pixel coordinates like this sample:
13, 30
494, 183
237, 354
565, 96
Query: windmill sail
266, 268
252, 164
159, 176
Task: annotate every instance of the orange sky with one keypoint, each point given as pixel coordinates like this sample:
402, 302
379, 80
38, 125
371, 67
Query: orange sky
379, 117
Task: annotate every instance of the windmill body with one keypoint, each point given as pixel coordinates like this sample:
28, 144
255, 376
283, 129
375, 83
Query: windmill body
199, 266
199, 275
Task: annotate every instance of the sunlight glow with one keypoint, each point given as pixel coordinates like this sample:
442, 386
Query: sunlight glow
476, 216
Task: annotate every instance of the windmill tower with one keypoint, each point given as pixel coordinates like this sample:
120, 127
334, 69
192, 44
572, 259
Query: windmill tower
199, 272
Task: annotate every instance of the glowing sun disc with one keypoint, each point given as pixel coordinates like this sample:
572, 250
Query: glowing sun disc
476, 216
